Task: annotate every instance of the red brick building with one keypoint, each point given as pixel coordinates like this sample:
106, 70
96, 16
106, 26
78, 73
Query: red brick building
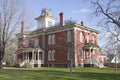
58, 45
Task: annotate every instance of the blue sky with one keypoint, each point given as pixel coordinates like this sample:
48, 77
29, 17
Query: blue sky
77, 10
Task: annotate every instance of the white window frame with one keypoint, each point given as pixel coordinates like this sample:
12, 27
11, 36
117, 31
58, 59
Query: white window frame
49, 54
69, 36
81, 37
53, 55
26, 41
49, 23
36, 41
53, 39
87, 38
68, 54
93, 38
49, 39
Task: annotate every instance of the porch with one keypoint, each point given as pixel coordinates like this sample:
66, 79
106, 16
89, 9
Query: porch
89, 55
33, 57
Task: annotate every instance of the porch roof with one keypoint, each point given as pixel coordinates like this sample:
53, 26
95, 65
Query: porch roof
32, 49
90, 45
20, 50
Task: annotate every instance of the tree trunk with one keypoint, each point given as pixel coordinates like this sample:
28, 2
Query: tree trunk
1, 64
71, 66
1, 57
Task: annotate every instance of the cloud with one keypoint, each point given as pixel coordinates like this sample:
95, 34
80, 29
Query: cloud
84, 10
80, 11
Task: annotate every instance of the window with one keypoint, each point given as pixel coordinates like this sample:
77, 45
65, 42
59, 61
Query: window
51, 55
26, 42
51, 39
93, 38
36, 41
87, 38
81, 53
68, 54
68, 36
49, 23
81, 37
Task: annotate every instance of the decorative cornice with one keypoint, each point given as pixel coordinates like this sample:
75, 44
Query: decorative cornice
58, 28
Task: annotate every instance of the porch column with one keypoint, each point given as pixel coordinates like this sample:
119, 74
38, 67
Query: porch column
28, 56
39, 64
38, 56
32, 54
23, 56
83, 56
33, 58
90, 56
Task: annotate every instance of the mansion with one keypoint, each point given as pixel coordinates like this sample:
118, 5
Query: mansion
58, 45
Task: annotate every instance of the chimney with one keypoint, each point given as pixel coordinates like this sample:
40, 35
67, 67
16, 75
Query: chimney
22, 26
62, 19
82, 23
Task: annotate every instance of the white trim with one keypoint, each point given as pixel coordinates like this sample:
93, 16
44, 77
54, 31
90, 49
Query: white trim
69, 36
76, 64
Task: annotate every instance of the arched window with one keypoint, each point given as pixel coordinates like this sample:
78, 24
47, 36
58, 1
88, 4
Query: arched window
87, 38
68, 36
36, 41
93, 39
26, 42
81, 37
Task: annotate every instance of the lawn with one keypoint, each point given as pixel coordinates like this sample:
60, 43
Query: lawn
59, 74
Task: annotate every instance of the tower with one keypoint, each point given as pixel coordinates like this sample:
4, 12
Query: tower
45, 19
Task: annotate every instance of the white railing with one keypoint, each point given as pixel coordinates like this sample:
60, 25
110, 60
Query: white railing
31, 62
97, 62
37, 62
23, 63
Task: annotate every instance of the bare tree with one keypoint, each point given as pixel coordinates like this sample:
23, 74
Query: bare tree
10, 50
109, 12
11, 14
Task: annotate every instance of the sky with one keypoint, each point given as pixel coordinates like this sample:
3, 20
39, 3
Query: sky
76, 10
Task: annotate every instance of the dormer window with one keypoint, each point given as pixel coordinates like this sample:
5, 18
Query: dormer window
49, 23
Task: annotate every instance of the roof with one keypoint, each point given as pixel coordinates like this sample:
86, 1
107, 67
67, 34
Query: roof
87, 45
44, 17
68, 25
115, 60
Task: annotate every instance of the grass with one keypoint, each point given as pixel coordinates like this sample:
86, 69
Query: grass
59, 74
